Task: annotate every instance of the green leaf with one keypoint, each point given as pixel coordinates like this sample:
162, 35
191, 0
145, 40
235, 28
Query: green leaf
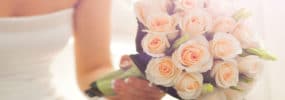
242, 14
181, 40
207, 88
236, 88
261, 53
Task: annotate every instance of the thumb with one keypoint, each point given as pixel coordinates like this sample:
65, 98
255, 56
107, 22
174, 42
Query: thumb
125, 62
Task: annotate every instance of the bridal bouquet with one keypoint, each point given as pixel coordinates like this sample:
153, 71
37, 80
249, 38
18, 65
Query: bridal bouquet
193, 49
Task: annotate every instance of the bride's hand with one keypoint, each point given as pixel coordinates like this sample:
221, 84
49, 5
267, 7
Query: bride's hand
135, 89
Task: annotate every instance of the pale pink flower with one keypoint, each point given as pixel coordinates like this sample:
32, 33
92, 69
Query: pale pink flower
225, 73
162, 71
194, 55
189, 85
225, 46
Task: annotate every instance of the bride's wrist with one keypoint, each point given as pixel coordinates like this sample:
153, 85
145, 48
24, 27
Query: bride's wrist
85, 79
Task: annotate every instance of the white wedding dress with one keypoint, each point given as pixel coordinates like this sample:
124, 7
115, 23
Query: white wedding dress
28, 45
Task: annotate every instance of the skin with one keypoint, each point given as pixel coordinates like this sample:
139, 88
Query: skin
123, 90
92, 26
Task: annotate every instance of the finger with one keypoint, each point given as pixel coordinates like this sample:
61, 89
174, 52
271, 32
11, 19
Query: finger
140, 87
128, 92
142, 84
119, 87
137, 82
113, 98
121, 90
125, 62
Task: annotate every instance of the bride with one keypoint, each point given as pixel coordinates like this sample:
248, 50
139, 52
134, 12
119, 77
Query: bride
32, 32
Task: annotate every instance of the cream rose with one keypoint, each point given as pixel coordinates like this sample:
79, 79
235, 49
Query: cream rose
250, 65
219, 7
162, 71
225, 46
194, 55
155, 44
196, 22
238, 95
223, 24
247, 38
189, 85
234, 94
145, 8
161, 22
225, 73
189, 4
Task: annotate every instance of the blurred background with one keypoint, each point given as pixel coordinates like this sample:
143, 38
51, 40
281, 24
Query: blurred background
269, 21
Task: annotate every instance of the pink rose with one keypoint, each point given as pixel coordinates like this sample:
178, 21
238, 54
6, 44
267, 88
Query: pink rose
225, 46
194, 55
189, 85
162, 71
196, 23
225, 73
247, 38
155, 44
145, 8
189, 4
251, 65
238, 95
223, 24
161, 22
219, 7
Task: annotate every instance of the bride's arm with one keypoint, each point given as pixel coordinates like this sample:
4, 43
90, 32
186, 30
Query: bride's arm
92, 40
93, 58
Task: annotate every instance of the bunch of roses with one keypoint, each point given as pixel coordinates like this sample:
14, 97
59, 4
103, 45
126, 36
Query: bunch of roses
193, 43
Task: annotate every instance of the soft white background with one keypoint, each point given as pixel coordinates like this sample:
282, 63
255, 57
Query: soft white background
270, 23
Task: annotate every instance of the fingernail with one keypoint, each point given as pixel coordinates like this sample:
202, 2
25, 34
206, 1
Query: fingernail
150, 84
117, 84
127, 80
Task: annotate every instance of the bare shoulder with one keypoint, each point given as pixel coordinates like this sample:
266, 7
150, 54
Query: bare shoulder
33, 7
